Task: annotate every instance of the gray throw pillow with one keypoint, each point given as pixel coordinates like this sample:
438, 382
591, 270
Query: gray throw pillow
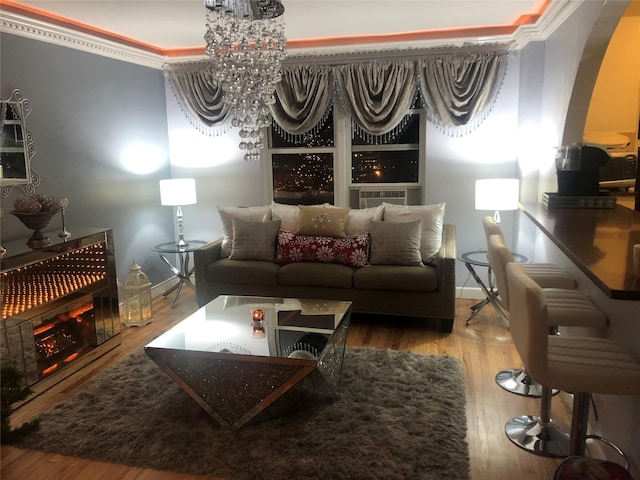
395, 243
432, 217
254, 240
227, 214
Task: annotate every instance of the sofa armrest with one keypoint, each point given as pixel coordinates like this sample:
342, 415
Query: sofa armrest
448, 248
445, 263
203, 257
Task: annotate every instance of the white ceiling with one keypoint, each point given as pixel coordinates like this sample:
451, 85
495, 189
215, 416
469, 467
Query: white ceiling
170, 24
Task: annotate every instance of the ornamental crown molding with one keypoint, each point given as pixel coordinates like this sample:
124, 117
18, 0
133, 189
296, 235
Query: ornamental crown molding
555, 14
24, 26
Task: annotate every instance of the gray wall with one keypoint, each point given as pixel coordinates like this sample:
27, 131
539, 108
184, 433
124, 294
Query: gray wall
86, 111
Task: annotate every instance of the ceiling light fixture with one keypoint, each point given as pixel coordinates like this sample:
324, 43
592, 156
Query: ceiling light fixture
246, 43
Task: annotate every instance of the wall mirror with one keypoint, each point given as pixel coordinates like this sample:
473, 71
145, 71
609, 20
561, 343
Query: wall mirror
16, 145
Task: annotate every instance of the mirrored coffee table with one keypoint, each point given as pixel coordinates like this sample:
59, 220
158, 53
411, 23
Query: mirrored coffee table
236, 368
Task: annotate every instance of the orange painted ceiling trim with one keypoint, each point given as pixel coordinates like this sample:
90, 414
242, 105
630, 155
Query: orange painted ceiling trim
345, 40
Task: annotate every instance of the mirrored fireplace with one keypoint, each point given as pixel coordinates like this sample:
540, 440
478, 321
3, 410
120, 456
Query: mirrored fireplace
59, 306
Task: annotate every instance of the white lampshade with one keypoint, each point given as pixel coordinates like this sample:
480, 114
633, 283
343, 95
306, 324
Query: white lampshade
178, 191
497, 194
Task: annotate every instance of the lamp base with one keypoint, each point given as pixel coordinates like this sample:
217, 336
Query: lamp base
182, 242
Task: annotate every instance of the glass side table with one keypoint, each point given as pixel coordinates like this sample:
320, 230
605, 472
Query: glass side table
480, 258
183, 270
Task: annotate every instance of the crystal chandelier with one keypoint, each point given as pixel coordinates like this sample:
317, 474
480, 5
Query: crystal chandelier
246, 43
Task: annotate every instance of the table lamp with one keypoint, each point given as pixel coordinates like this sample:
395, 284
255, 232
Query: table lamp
497, 194
177, 192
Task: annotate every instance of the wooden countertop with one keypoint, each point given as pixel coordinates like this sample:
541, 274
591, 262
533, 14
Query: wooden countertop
599, 241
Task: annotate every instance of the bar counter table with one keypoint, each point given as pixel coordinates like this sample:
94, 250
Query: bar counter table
599, 241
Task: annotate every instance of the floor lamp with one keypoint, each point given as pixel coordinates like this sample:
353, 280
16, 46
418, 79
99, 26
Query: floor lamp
177, 192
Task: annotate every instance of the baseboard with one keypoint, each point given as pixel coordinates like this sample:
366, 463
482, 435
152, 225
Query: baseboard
160, 288
474, 293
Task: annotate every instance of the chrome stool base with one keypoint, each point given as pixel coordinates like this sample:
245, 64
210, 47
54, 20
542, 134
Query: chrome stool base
518, 381
549, 440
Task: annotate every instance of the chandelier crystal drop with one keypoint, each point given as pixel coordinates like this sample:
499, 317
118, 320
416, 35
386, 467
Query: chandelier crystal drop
246, 43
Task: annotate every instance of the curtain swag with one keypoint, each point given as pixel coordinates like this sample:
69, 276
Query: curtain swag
200, 97
377, 96
457, 90
303, 100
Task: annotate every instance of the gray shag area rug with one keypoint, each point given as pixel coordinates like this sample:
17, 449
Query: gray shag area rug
399, 415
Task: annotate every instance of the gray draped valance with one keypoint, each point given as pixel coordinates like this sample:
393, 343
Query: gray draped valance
200, 97
303, 99
458, 91
377, 96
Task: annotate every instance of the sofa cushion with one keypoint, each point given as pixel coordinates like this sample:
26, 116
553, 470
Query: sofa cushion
432, 218
396, 277
247, 272
322, 221
254, 240
395, 243
359, 219
352, 251
307, 274
227, 214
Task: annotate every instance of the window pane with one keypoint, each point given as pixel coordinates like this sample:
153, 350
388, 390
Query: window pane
411, 134
322, 138
385, 167
305, 178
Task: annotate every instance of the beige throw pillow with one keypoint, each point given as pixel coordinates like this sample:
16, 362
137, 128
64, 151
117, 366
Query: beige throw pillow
254, 240
227, 214
432, 218
359, 220
322, 221
288, 215
395, 243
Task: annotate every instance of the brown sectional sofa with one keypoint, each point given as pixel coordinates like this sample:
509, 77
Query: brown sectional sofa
426, 291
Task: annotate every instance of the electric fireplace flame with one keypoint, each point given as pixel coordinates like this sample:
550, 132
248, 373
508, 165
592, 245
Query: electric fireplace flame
61, 338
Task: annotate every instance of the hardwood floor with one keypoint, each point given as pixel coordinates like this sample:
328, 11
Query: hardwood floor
484, 348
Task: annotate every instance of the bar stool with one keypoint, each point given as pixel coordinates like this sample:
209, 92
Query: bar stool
582, 365
567, 307
547, 275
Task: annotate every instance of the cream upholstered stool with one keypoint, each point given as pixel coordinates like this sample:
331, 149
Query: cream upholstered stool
547, 275
567, 308
582, 365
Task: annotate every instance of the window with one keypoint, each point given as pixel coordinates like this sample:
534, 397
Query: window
302, 178
307, 170
397, 161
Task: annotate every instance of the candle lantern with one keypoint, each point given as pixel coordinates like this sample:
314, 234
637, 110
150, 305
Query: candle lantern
137, 298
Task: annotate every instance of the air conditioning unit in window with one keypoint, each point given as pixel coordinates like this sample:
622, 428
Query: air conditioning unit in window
373, 198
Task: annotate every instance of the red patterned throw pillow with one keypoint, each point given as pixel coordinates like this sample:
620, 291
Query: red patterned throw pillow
352, 251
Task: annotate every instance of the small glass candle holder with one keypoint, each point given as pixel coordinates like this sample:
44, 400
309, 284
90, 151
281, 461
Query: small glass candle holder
258, 330
257, 315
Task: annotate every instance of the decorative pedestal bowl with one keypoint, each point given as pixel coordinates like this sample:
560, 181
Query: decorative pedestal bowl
36, 221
